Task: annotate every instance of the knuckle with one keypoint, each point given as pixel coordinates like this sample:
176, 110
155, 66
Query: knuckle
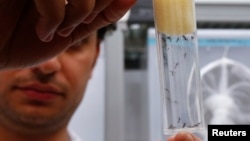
58, 18
54, 19
86, 7
85, 10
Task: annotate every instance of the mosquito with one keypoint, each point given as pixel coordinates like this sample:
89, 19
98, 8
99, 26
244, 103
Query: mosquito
192, 37
179, 120
172, 72
177, 39
176, 65
171, 127
184, 124
184, 37
169, 38
197, 124
185, 55
167, 90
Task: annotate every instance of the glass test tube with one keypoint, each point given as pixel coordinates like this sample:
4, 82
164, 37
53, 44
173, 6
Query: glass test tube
177, 49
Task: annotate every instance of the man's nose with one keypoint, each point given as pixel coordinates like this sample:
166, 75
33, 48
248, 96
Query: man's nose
48, 67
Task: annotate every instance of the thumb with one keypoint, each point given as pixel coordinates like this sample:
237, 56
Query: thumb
184, 136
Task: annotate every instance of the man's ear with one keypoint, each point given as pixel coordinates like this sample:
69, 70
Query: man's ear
98, 44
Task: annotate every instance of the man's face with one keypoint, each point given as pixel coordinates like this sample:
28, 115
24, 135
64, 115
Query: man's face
46, 95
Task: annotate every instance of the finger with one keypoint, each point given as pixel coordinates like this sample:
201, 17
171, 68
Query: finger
76, 12
185, 136
116, 10
10, 11
171, 138
51, 14
111, 14
99, 6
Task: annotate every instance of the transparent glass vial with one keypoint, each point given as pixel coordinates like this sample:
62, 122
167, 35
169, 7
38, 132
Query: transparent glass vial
179, 66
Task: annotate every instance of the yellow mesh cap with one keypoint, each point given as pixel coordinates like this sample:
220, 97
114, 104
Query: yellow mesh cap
175, 17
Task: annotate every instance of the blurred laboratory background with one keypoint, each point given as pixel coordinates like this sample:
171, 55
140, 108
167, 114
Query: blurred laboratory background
122, 102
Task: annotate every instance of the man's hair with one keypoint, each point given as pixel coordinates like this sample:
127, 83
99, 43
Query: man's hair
104, 30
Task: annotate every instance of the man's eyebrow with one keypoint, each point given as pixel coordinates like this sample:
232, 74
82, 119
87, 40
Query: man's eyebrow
80, 42
84, 40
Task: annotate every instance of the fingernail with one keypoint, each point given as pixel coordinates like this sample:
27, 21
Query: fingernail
171, 138
187, 137
66, 32
44, 34
45, 37
90, 18
48, 38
